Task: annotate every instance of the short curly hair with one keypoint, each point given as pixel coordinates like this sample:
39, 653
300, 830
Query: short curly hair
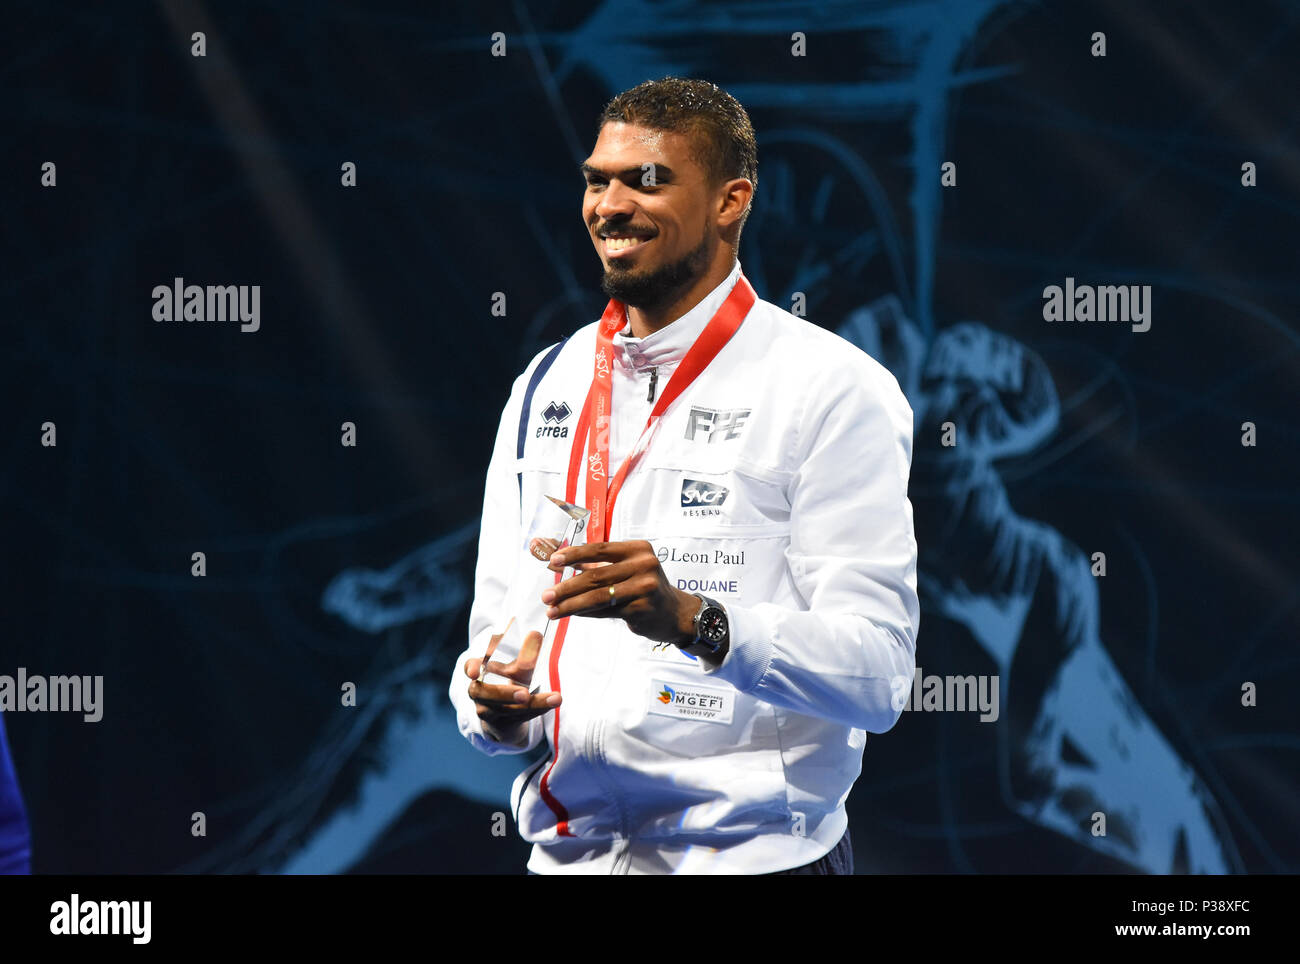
719, 127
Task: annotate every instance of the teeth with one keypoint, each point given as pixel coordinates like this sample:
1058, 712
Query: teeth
619, 244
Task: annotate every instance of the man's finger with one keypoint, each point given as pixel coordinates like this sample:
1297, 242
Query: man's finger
533, 705
595, 552
601, 578
527, 659
510, 696
508, 719
508, 670
598, 603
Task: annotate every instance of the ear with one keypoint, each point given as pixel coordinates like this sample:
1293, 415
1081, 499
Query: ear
733, 198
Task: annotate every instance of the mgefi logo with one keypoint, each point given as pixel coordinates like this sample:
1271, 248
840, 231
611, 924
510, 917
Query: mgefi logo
702, 498
690, 701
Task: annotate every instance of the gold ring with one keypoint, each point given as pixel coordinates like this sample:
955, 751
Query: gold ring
612, 601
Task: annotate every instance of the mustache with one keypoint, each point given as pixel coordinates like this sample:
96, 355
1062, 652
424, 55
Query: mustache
623, 229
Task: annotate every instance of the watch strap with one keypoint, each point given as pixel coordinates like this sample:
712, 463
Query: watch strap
706, 603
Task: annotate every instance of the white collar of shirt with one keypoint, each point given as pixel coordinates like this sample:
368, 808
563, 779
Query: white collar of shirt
669, 344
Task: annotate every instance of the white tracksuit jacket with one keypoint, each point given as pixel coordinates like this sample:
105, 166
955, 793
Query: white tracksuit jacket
776, 484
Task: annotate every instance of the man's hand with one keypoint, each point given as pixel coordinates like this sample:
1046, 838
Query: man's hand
642, 594
504, 708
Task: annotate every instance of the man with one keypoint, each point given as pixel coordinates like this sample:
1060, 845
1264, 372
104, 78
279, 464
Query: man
746, 591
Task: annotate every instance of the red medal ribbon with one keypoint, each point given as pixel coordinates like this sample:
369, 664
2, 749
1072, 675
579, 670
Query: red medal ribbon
594, 424
593, 428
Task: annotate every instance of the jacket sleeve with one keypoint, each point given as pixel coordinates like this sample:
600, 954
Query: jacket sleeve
852, 558
499, 536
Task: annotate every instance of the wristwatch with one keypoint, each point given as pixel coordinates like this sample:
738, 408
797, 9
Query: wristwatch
710, 624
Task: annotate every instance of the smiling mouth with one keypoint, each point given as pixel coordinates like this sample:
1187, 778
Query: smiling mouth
617, 247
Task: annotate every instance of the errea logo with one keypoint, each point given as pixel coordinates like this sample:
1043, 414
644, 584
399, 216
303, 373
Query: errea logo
554, 414
714, 423
702, 498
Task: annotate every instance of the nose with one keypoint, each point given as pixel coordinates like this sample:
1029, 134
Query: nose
616, 201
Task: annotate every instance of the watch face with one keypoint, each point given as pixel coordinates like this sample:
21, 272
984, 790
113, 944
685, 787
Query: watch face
713, 625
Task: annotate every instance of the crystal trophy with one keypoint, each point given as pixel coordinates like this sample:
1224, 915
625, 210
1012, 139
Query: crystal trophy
555, 524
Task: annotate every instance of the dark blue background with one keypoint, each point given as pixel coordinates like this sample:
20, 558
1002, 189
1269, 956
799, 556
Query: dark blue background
328, 564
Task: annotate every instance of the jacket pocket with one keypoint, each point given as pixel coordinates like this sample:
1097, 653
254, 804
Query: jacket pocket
707, 757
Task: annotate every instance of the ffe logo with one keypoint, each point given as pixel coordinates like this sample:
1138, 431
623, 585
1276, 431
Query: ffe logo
714, 423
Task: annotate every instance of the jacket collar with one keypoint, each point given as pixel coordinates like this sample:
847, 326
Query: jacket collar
669, 344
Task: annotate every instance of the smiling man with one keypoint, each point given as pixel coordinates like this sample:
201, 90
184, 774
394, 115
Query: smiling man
725, 633
653, 268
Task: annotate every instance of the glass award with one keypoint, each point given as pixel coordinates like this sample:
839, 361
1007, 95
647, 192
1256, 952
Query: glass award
555, 524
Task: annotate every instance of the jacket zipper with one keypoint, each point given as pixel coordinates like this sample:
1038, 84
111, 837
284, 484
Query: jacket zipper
536, 768
654, 380
598, 759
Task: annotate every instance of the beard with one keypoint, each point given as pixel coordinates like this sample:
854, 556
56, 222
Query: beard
658, 287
